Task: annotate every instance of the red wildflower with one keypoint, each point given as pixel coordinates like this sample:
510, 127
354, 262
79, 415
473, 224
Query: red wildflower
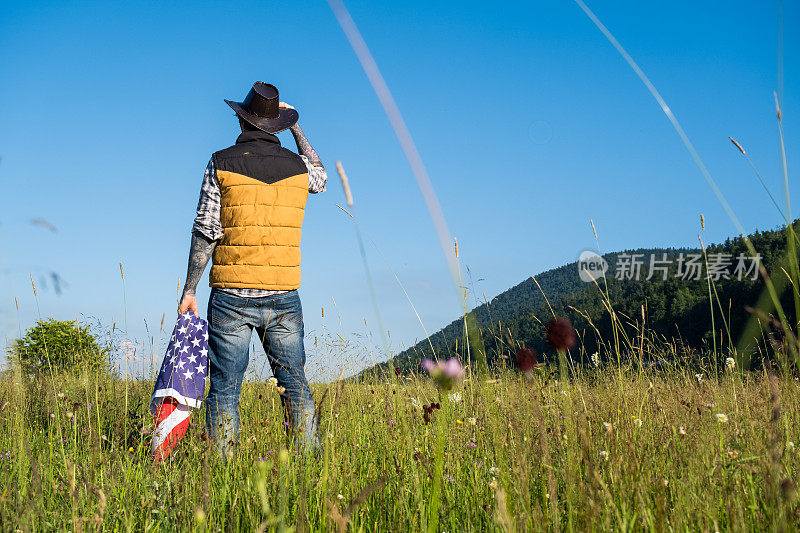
428, 411
526, 359
560, 334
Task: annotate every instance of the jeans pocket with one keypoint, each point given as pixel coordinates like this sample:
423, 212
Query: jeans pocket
289, 312
224, 317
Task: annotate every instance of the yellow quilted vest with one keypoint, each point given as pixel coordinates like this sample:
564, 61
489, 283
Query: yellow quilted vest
263, 199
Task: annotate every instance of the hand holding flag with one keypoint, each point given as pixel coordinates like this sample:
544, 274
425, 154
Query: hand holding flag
180, 384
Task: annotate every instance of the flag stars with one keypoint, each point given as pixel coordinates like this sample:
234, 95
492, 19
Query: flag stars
185, 364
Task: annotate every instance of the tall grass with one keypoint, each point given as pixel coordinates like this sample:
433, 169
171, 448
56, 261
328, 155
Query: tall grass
612, 448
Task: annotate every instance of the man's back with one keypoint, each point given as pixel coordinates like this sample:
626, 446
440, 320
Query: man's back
250, 217
263, 192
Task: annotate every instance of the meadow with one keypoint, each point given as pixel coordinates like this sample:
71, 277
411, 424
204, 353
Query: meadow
610, 445
610, 448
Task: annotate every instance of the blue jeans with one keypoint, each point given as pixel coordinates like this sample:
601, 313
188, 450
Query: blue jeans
278, 321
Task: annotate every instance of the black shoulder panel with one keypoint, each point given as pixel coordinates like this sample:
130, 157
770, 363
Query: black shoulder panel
263, 161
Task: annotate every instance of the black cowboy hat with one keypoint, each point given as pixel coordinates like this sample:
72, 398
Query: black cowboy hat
260, 108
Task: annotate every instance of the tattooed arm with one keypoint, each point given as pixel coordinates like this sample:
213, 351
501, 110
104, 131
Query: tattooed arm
304, 147
317, 176
199, 254
206, 231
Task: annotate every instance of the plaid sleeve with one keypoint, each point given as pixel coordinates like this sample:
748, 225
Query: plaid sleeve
317, 176
207, 221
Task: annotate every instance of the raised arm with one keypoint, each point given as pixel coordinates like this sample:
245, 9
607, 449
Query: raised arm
317, 176
304, 147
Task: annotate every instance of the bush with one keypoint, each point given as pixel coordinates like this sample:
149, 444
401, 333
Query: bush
67, 345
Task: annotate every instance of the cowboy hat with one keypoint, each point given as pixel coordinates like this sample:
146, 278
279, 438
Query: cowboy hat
260, 108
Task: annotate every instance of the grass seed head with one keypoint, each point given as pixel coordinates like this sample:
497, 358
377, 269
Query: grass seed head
345, 184
737, 145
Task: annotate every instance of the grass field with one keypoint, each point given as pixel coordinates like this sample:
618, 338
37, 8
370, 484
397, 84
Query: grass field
612, 449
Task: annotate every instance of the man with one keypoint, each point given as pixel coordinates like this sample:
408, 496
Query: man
249, 221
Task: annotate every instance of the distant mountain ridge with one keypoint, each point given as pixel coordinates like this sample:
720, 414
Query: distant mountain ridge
675, 307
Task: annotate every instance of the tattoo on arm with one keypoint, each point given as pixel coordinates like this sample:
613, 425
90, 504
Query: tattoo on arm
199, 254
304, 147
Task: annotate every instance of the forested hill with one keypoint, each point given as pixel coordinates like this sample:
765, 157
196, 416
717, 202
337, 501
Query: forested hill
557, 284
676, 307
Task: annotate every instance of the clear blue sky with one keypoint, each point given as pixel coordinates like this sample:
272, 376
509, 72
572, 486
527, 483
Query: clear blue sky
527, 119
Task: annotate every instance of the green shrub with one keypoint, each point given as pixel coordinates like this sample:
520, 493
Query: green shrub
66, 346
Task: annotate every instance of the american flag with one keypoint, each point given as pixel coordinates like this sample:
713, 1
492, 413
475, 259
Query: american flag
181, 383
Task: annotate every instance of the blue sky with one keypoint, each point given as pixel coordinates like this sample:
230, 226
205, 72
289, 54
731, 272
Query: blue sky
527, 119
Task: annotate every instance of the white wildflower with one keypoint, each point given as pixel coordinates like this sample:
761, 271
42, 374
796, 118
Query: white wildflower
637, 422
472, 422
454, 397
699, 377
273, 381
608, 425
415, 403
494, 470
681, 430
722, 418
340, 497
604, 455
730, 364
596, 359
790, 446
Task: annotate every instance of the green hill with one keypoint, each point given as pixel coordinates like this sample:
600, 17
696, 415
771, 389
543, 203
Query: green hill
677, 311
